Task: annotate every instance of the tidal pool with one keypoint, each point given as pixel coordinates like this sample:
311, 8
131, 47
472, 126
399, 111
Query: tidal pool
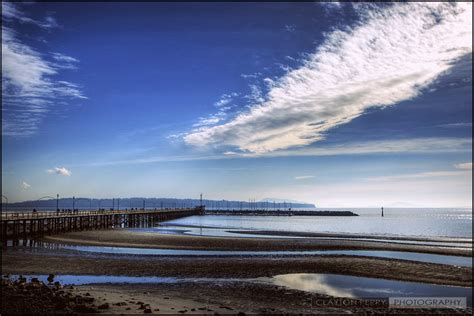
328, 284
414, 256
361, 287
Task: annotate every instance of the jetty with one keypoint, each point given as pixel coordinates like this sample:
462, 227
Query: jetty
26, 225
287, 212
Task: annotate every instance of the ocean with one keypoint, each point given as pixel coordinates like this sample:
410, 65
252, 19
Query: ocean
452, 222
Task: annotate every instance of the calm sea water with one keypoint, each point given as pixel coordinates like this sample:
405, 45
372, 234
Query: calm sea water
398, 222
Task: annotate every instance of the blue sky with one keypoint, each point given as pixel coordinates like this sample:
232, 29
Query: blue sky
337, 104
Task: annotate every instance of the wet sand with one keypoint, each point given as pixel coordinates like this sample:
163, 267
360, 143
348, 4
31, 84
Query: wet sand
127, 238
235, 298
184, 298
227, 297
243, 267
61, 261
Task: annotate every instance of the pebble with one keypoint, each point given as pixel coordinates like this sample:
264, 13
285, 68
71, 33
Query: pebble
104, 306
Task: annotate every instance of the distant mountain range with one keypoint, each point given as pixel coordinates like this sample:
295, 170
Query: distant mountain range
277, 200
138, 202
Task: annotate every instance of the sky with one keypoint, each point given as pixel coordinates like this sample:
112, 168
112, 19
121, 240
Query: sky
336, 104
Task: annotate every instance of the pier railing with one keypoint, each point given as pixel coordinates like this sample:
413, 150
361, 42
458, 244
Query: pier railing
25, 225
25, 215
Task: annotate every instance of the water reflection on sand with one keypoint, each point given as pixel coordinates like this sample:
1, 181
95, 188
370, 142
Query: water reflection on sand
311, 283
400, 255
327, 284
361, 287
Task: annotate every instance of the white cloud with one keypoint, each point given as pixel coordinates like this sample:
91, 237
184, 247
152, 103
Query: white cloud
464, 166
25, 185
414, 145
11, 11
409, 146
256, 94
60, 170
224, 105
330, 5
303, 177
212, 119
290, 27
28, 86
225, 99
422, 175
456, 125
395, 52
251, 76
62, 57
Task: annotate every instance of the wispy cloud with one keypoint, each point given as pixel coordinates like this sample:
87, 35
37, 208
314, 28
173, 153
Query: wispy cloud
456, 125
251, 76
464, 166
223, 105
60, 170
212, 119
415, 145
303, 177
25, 185
410, 146
290, 27
422, 175
11, 12
330, 5
64, 61
391, 55
28, 85
225, 99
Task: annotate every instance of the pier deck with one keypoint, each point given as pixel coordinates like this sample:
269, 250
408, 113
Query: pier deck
23, 225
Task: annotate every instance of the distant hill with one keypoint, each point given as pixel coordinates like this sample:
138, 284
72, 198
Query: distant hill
139, 202
277, 200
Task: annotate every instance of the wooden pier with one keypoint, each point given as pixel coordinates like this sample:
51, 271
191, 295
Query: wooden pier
27, 225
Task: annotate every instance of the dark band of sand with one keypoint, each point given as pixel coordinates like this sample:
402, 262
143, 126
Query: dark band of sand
230, 296
62, 262
127, 238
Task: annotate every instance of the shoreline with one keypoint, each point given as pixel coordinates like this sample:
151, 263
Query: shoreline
31, 260
381, 268
137, 239
358, 236
188, 298
228, 297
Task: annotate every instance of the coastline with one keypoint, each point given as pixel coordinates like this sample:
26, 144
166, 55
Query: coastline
26, 260
233, 295
137, 239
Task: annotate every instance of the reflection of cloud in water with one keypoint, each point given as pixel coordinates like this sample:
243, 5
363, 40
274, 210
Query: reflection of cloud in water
311, 282
379, 291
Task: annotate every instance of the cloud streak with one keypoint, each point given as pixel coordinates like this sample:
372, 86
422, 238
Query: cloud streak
409, 146
11, 12
25, 185
464, 166
422, 175
60, 171
303, 177
390, 56
28, 85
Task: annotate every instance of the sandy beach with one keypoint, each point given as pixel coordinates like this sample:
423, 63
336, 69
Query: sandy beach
127, 238
227, 297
